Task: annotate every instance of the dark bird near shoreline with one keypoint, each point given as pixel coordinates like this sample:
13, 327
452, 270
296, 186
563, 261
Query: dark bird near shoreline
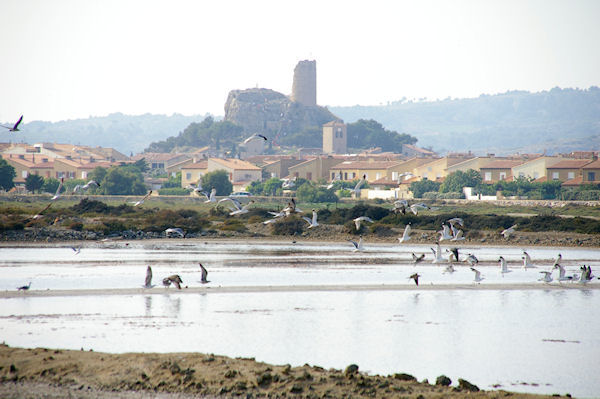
203, 279
173, 279
24, 287
148, 280
15, 127
415, 277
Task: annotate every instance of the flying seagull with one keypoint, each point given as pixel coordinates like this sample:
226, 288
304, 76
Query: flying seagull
400, 206
76, 250
453, 255
416, 207
24, 287
39, 214
437, 254
527, 263
547, 278
15, 127
360, 219
140, 202
171, 231
415, 277
457, 234
478, 278
503, 266
507, 232
174, 279
148, 281
255, 136
562, 273
406, 235
60, 186
240, 209
445, 233
311, 222
356, 189
203, 279
358, 246
472, 260
86, 186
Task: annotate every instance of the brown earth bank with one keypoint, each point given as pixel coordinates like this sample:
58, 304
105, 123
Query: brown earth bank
50, 373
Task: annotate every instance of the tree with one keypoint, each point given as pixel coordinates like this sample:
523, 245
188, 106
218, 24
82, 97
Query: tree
123, 181
98, 174
370, 133
7, 175
307, 192
50, 185
418, 188
173, 182
33, 183
455, 181
218, 179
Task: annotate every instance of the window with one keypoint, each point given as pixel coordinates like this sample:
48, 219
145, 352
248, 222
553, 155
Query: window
188, 175
591, 176
571, 175
84, 174
345, 175
487, 176
24, 174
377, 176
394, 175
502, 175
308, 175
554, 175
332, 175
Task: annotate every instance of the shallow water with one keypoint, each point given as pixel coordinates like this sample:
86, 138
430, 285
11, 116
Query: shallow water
533, 340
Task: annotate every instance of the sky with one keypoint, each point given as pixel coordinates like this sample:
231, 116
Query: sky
69, 59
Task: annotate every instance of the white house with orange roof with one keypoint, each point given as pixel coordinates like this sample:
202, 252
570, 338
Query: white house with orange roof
241, 173
191, 173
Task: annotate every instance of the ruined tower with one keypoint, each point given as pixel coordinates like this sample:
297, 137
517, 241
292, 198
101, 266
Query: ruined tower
304, 87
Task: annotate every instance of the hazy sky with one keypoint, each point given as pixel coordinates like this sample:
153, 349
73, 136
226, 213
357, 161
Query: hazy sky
63, 59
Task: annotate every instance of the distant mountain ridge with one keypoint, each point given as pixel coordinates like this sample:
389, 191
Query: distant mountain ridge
558, 120
125, 133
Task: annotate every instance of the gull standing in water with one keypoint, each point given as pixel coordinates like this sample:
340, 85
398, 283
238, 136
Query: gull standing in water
360, 219
311, 222
562, 273
527, 263
148, 281
203, 279
358, 246
478, 277
406, 235
437, 254
503, 266
415, 277
558, 259
547, 278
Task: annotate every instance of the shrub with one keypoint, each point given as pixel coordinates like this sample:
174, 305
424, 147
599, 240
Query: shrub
381, 230
588, 195
430, 195
290, 226
233, 225
450, 195
75, 225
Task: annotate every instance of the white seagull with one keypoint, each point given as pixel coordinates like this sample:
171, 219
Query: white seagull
507, 232
76, 250
358, 246
547, 278
472, 260
558, 259
416, 207
458, 221
148, 280
311, 222
360, 219
60, 186
406, 235
453, 255
15, 127
527, 263
171, 231
212, 197
140, 202
255, 136
356, 189
437, 254
449, 269
503, 266
457, 234
562, 273
445, 233
478, 277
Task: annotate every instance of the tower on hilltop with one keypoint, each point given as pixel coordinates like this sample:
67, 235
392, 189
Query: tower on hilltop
304, 87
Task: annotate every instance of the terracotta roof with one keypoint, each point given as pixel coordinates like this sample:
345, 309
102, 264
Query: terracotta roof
197, 165
570, 164
365, 165
418, 149
384, 181
412, 179
237, 164
155, 156
577, 181
593, 165
94, 165
501, 164
542, 179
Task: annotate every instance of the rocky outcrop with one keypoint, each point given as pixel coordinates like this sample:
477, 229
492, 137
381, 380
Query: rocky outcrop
269, 112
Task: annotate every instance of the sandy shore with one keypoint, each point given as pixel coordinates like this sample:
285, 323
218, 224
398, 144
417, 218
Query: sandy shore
49, 373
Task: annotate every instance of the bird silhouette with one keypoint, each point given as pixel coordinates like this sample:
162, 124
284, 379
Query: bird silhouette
15, 127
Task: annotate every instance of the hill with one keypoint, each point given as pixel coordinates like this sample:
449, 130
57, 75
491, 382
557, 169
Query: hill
125, 133
557, 120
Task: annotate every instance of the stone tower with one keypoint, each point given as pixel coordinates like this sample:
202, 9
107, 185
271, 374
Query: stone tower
335, 137
304, 87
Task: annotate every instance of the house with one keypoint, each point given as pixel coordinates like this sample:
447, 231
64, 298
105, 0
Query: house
405, 169
591, 172
160, 162
371, 169
191, 173
410, 150
176, 167
472, 163
314, 169
438, 169
534, 168
497, 170
241, 173
566, 169
279, 168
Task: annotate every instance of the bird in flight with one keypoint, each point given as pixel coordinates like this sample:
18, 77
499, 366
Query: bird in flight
255, 136
311, 222
203, 279
148, 280
15, 127
406, 235
360, 219
415, 277
60, 186
140, 202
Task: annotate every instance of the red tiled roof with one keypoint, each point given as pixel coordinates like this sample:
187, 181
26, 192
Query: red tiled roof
593, 165
365, 165
542, 179
197, 165
577, 181
570, 164
384, 181
236, 164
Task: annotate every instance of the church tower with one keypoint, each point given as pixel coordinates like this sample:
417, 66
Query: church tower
335, 138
